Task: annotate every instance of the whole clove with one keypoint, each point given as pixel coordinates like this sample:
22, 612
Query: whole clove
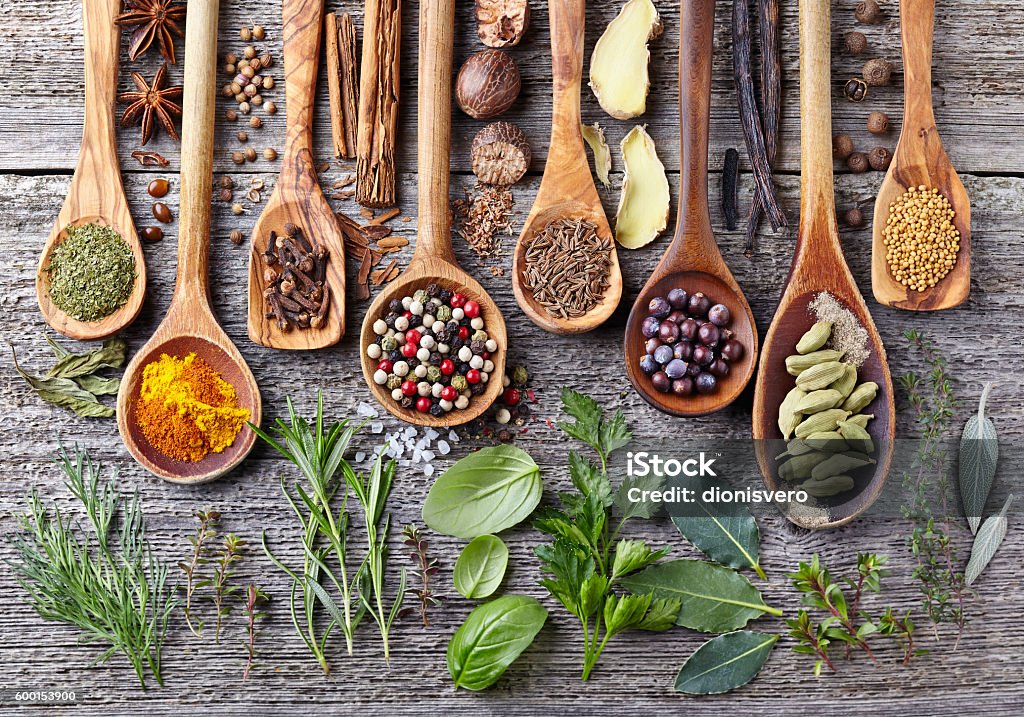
730, 187
771, 99
295, 270
750, 117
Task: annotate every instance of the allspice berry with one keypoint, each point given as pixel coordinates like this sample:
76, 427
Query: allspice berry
854, 218
855, 89
857, 162
877, 72
242, 135
855, 42
236, 236
868, 12
270, 154
238, 157
879, 158
226, 195
226, 182
842, 146
878, 122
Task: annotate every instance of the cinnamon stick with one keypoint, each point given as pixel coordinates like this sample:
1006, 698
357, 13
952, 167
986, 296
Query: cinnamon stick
340, 36
378, 104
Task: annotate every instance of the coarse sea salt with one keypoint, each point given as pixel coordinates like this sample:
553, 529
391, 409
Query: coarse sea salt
428, 470
360, 456
376, 427
443, 448
365, 410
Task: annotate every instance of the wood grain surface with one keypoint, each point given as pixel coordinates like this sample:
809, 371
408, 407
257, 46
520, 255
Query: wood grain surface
979, 105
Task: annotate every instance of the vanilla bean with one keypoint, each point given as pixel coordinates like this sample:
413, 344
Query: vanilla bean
730, 187
771, 99
750, 116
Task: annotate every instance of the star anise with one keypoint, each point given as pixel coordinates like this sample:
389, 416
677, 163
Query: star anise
153, 20
152, 102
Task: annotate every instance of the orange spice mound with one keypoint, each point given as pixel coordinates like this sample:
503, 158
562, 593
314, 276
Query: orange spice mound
186, 409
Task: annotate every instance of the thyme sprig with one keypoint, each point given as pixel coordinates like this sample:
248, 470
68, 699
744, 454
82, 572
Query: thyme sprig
426, 567
254, 598
221, 582
205, 531
108, 584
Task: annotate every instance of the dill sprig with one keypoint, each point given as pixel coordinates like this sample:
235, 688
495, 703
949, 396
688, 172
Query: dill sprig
108, 584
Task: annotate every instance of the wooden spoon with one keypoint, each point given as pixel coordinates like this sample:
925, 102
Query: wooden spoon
692, 261
567, 187
434, 261
818, 266
96, 194
189, 325
920, 159
297, 197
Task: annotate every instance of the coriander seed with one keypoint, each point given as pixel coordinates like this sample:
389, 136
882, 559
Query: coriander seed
230, 70
237, 209
226, 195
255, 64
255, 122
244, 108
249, 52
231, 115
258, 32
226, 182
270, 107
246, 34
240, 98
250, 91
248, 72
236, 236
268, 82
226, 90
250, 154
230, 58
270, 154
242, 135
238, 157
257, 100
266, 59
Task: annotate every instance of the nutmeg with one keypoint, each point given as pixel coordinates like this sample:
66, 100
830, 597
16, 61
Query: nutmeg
842, 146
857, 162
877, 72
879, 158
488, 84
855, 42
878, 122
855, 89
500, 154
868, 12
502, 23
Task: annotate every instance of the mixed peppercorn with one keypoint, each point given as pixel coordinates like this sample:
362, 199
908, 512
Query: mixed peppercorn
433, 350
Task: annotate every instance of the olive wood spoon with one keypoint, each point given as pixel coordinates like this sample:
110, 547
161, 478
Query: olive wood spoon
434, 261
96, 194
920, 159
297, 197
189, 326
818, 266
693, 261
567, 187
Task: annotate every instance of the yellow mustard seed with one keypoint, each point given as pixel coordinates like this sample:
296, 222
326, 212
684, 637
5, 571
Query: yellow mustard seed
920, 238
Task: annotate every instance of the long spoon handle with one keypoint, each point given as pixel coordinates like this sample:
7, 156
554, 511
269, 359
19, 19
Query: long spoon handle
102, 42
302, 21
198, 107
568, 21
696, 42
433, 137
917, 25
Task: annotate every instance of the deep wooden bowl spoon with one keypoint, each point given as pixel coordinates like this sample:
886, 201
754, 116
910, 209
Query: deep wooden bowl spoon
434, 260
920, 160
693, 261
189, 326
567, 188
818, 266
96, 195
297, 197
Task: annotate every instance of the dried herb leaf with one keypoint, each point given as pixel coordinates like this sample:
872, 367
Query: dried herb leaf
725, 662
72, 365
986, 542
66, 393
979, 455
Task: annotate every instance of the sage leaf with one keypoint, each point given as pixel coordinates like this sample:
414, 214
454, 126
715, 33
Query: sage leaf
71, 365
979, 455
714, 598
480, 567
491, 638
725, 662
485, 492
986, 542
66, 393
98, 385
727, 533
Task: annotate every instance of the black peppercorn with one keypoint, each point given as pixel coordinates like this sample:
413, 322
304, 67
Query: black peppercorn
857, 162
390, 320
445, 296
868, 12
877, 72
456, 344
436, 411
433, 290
842, 146
436, 358
477, 388
879, 158
395, 356
504, 435
477, 347
855, 42
855, 89
854, 218
395, 306
406, 402
415, 321
878, 122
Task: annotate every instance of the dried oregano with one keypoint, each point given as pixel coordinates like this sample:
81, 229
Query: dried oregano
92, 272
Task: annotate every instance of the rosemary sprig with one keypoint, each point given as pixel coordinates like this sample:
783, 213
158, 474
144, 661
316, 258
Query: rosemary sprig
254, 598
928, 484
205, 531
426, 567
109, 585
223, 590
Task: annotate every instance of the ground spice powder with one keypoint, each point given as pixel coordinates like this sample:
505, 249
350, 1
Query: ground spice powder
186, 409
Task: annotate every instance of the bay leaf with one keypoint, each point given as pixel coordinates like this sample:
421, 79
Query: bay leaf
979, 456
990, 536
72, 365
726, 532
714, 598
98, 385
66, 393
725, 662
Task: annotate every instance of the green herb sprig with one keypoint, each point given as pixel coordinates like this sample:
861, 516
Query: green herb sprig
108, 584
224, 590
426, 567
206, 530
254, 599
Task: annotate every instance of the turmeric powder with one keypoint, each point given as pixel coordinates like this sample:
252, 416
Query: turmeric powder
186, 409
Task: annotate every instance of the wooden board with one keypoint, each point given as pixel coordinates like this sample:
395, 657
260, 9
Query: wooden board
974, 72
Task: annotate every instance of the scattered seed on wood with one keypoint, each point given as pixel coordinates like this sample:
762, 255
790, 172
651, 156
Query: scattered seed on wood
150, 159
484, 214
406, 220
254, 196
566, 267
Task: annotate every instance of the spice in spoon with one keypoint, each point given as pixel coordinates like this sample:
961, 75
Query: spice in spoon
566, 267
921, 241
92, 272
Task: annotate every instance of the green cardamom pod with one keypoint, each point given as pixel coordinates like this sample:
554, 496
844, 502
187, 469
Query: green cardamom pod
833, 485
861, 397
820, 400
840, 463
801, 467
861, 419
847, 383
815, 337
823, 421
797, 363
831, 441
796, 447
789, 417
858, 438
821, 375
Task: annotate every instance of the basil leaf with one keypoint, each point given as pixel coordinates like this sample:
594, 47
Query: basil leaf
480, 568
714, 598
485, 492
724, 663
491, 638
979, 455
986, 542
727, 532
